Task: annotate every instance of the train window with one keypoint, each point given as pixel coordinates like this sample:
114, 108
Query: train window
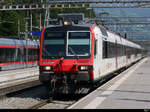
8, 55
104, 32
114, 49
124, 50
32, 54
18, 55
35, 54
105, 49
120, 50
95, 48
54, 44
76, 41
53, 35
2, 55
110, 50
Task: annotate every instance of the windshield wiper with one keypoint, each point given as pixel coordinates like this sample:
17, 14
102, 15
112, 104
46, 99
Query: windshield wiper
73, 52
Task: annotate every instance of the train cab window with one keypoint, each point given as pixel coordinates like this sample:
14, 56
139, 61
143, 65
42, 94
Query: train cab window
78, 44
54, 44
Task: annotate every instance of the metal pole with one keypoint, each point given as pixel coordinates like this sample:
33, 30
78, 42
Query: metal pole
26, 38
47, 13
31, 19
31, 22
40, 21
19, 28
91, 14
41, 18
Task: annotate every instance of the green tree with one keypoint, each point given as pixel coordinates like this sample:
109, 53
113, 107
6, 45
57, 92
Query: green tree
10, 28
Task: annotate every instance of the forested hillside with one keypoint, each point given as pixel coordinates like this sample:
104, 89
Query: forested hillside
9, 19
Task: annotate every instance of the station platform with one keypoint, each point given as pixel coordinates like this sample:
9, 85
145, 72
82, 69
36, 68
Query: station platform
12, 77
128, 90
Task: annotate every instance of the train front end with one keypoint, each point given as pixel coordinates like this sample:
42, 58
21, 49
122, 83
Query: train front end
66, 58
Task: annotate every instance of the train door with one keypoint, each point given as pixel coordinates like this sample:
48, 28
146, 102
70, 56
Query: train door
21, 55
97, 56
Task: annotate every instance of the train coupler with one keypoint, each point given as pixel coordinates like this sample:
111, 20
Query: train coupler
52, 89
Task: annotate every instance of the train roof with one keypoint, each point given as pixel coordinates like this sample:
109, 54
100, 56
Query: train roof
124, 40
17, 42
70, 27
105, 32
120, 39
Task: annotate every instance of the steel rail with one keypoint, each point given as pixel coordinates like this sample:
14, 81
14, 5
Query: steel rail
40, 104
48, 101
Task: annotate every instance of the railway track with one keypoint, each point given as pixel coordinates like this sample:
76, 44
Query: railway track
18, 79
40, 104
37, 99
13, 87
48, 104
52, 104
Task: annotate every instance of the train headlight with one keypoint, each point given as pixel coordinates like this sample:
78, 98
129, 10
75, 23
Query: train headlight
85, 68
47, 68
67, 23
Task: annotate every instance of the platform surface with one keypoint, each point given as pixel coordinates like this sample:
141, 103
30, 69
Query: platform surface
128, 90
12, 76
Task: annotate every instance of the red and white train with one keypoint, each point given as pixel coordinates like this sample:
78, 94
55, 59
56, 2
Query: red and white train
18, 53
74, 56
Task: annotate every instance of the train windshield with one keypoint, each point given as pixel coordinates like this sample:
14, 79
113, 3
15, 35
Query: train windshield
54, 44
78, 44
63, 44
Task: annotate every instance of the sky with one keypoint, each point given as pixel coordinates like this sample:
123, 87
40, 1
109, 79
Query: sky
131, 12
